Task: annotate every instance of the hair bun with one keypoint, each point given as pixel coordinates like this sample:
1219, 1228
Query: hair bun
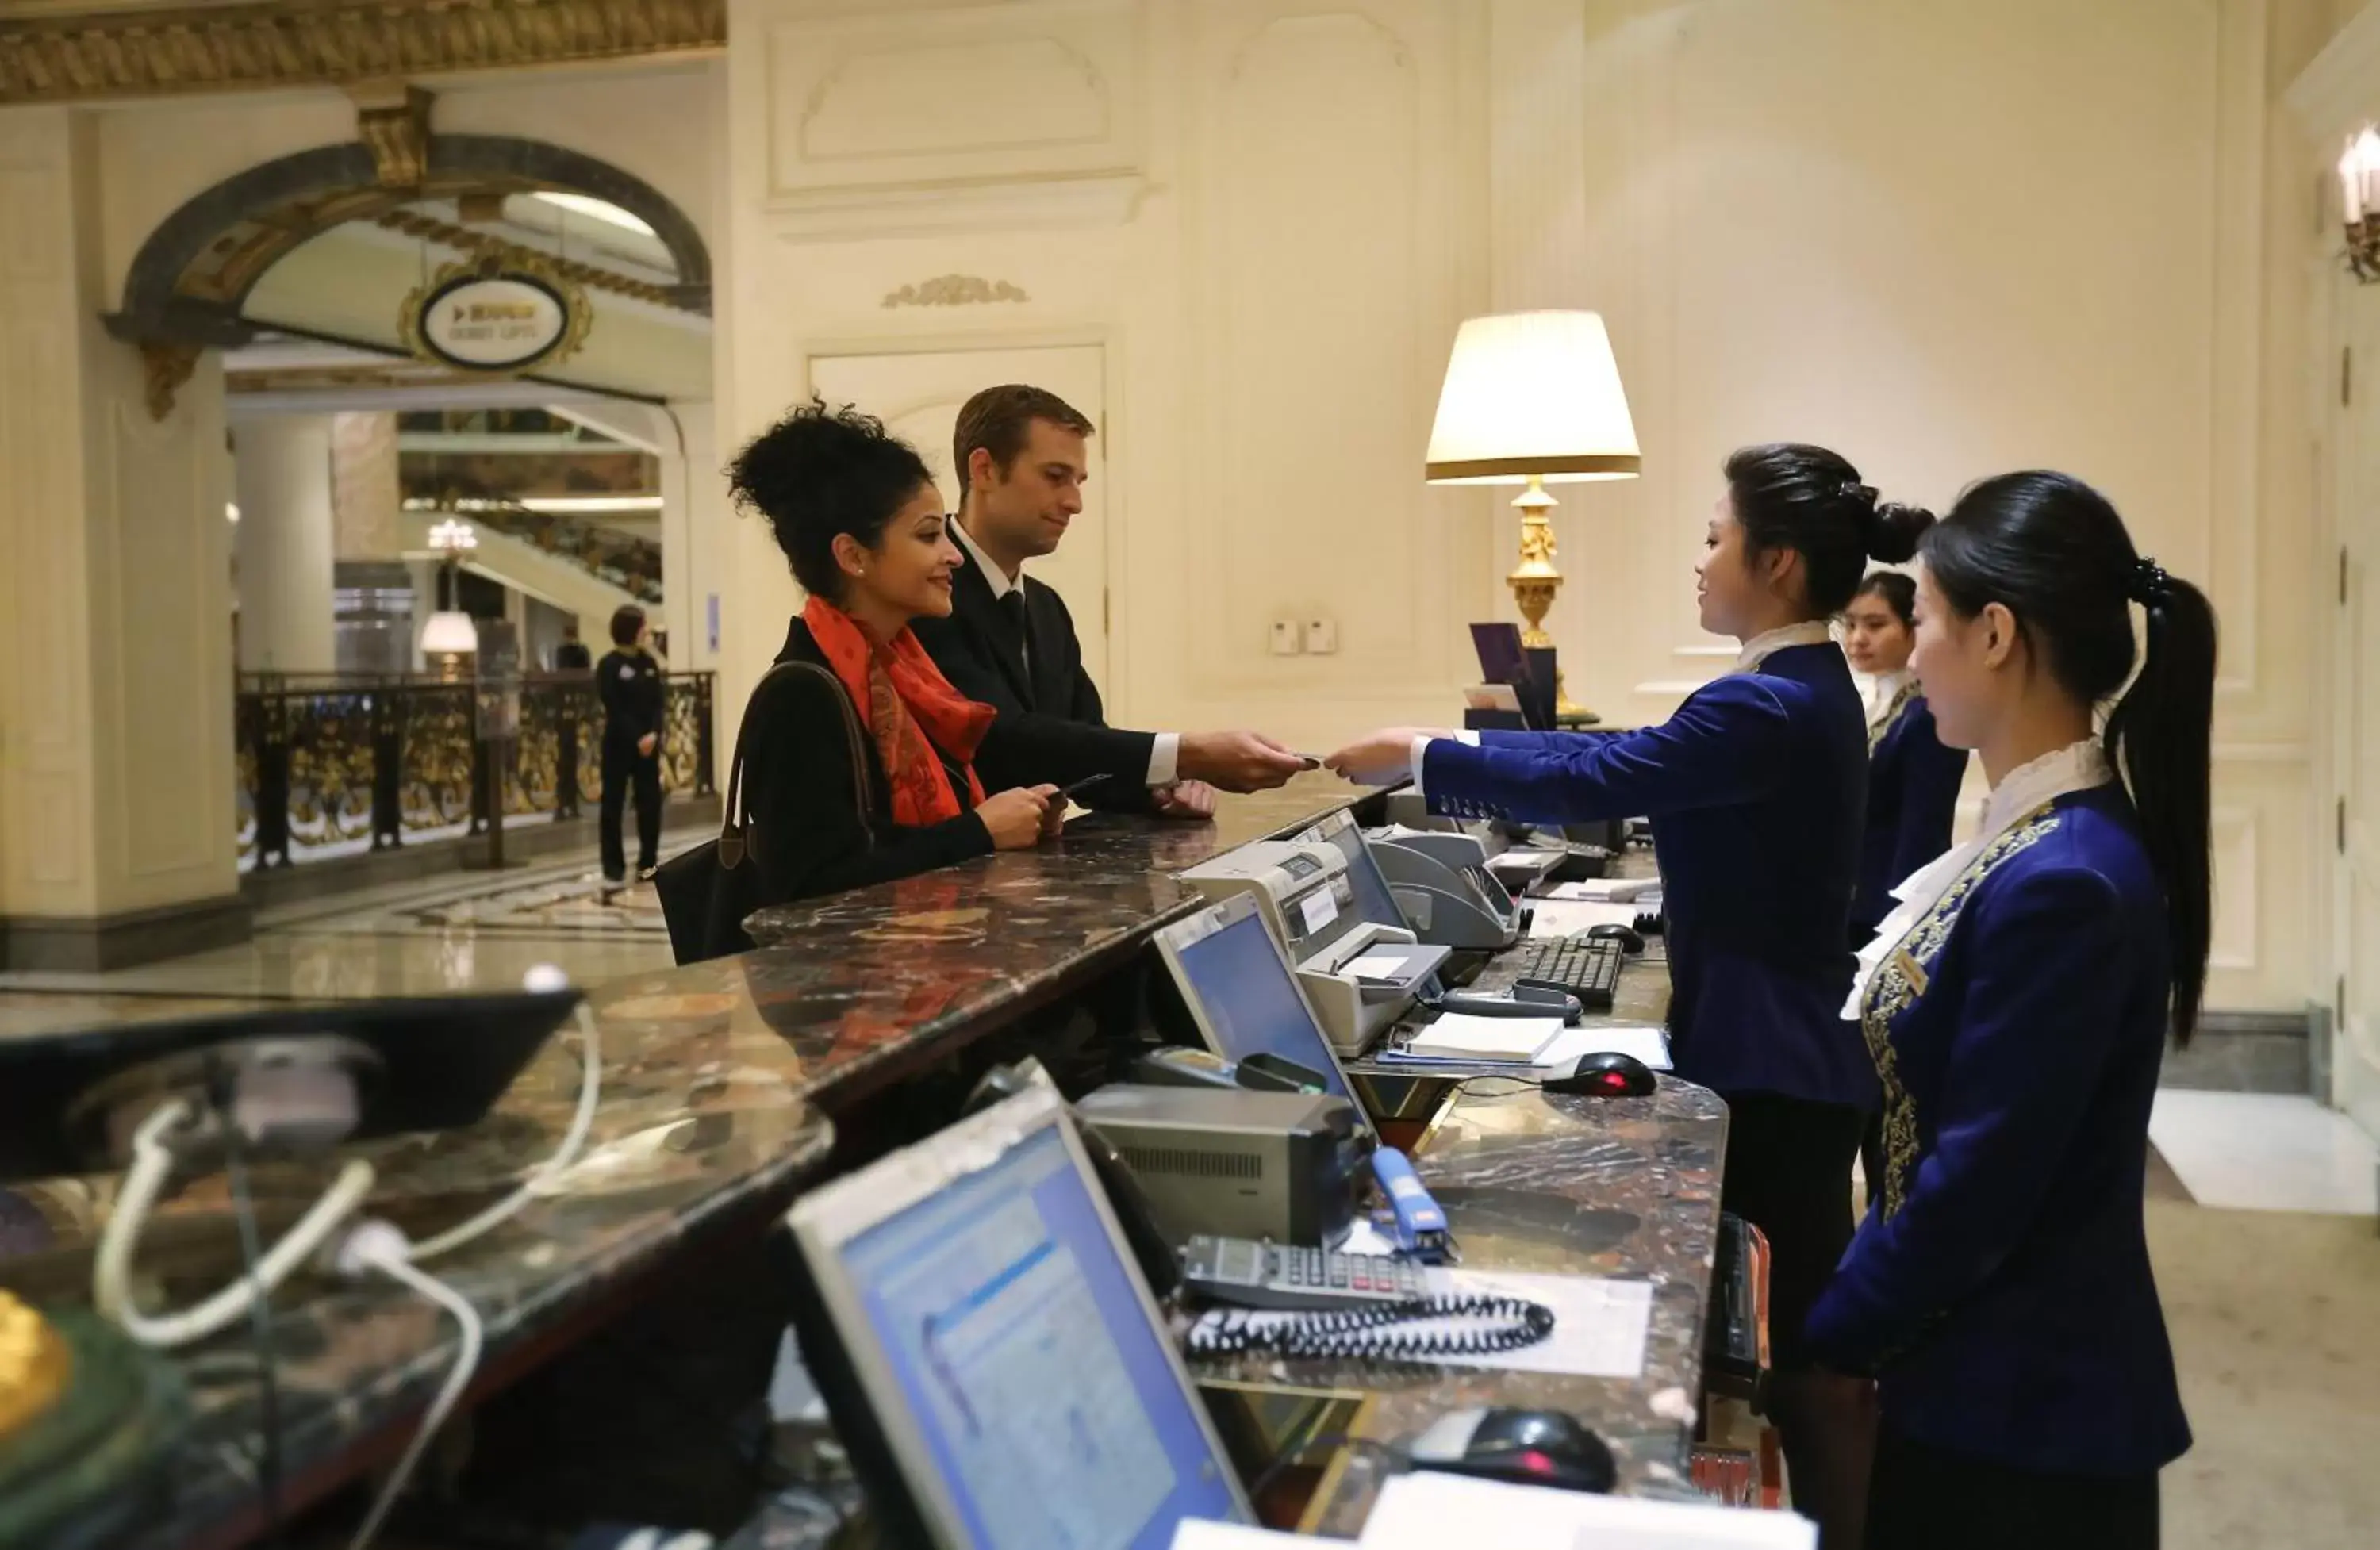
1893, 530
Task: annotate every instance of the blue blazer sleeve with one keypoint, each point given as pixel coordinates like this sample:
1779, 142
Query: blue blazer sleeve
2041, 1011
1930, 798
1726, 745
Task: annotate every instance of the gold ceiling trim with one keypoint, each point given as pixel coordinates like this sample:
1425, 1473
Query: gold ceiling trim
463, 239
285, 43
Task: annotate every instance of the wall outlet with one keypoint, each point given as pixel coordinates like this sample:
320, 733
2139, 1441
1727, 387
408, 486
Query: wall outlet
1321, 637
1287, 639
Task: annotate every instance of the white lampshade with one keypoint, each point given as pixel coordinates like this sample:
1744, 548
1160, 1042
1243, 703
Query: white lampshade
1532, 396
449, 632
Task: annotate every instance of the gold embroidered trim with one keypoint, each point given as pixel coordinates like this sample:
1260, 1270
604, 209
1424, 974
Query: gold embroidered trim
1885, 723
1902, 979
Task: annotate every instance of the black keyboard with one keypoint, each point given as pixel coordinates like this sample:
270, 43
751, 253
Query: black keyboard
1587, 967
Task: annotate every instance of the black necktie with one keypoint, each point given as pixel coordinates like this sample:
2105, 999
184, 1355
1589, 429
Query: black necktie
1013, 603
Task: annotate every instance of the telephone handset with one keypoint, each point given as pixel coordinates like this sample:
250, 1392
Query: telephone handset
1250, 1273
1347, 1306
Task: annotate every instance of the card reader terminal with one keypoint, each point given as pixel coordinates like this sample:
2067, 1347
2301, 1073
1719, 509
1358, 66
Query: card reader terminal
1324, 903
1443, 885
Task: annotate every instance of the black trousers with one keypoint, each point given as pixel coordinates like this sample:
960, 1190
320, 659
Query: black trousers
1925, 1499
622, 766
1789, 1173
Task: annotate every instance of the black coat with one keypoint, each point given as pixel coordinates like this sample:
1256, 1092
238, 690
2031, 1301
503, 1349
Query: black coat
1052, 728
630, 686
806, 833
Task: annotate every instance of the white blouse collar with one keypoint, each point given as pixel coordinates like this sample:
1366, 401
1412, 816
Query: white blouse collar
2076, 767
1810, 632
1885, 691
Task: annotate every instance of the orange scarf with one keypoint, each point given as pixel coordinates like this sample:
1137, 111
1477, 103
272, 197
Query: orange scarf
905, 700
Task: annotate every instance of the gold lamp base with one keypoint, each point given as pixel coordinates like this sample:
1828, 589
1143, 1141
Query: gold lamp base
1536, 580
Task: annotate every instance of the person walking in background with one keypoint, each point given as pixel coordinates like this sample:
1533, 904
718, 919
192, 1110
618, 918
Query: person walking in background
628, 682
572, 654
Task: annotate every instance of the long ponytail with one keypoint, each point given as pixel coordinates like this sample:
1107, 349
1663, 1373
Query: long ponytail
2160, 735
2053, 552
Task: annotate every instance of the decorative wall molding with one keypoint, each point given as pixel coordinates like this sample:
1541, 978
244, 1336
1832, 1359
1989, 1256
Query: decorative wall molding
1026, 94
188, 282
395, 128
955, 290
287, 43
1026, 204
463, 239
2238, 925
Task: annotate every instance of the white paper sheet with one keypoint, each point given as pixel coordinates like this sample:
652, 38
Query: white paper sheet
1191, 1534
1643, 1040
1375, 965
1600, 1325
1607, 890
1463, 1036
1425, 1510
1563, 917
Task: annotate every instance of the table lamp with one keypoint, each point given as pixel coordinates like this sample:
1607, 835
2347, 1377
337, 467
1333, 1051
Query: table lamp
1533, 398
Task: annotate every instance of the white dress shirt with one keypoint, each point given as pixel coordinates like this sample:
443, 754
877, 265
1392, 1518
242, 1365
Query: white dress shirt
1165, 756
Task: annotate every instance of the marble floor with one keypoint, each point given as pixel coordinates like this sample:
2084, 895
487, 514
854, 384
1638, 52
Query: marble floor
461, 932
2266, 1152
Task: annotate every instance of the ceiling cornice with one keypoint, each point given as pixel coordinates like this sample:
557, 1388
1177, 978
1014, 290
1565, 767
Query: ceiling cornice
252, 44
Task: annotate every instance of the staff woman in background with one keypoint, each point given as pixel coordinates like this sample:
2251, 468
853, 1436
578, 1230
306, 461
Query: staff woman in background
1758, 786
2016, 1003
1912, 779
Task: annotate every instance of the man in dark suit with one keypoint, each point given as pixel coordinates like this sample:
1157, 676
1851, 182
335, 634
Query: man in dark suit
1010, 641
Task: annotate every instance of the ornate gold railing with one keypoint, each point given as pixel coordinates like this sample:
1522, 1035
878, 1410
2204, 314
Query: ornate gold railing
334, 765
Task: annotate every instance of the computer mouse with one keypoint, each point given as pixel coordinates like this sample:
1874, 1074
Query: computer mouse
1607, 1073
1629, 940
1527, 1447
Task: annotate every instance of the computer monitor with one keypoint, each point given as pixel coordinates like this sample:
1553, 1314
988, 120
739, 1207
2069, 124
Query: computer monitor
1242, 995
993, 1359
1375, 901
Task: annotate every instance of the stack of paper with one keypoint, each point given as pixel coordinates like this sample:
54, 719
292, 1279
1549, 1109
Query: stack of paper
1565, 917
1428, 1511
1607, 890
1462, 1036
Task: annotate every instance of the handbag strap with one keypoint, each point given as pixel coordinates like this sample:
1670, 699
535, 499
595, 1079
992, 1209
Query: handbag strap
731, 827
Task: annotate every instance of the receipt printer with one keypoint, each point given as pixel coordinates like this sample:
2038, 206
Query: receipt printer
1237, 1164
1443, 883
1359, 974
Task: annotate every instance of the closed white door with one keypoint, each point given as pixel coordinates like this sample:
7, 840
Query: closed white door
917, 397
2355, 822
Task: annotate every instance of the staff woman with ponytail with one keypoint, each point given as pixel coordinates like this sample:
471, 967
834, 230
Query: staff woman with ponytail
2016, 1003
1757, 787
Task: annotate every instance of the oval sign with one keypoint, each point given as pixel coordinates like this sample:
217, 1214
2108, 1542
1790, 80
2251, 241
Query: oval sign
504, 322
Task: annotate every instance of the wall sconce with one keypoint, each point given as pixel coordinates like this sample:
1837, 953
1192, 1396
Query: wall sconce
2359, 191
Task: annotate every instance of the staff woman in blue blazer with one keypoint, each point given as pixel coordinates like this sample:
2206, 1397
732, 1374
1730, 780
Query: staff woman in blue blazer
1912, 778
2017, 1002
1758, 786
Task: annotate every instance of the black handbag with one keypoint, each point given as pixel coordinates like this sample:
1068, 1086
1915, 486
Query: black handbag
706, 892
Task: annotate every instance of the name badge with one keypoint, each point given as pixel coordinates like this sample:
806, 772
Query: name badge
627, 671
1911, 970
